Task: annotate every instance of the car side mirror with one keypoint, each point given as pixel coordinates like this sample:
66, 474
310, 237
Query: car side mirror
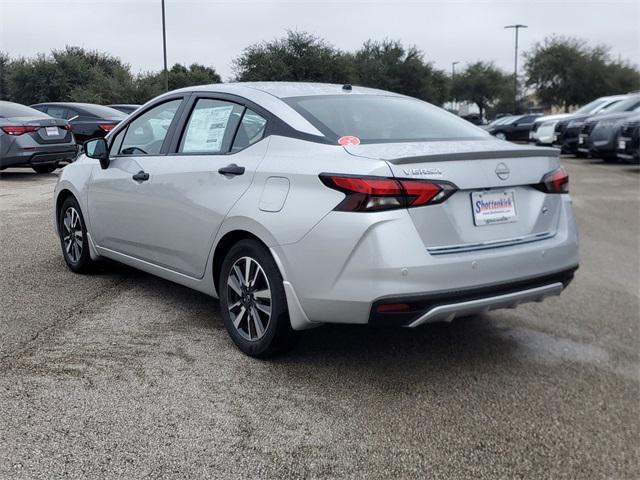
97, 148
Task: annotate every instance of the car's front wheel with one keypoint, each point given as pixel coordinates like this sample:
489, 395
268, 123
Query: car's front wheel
253, 302
500, 135
46, 168
73, 236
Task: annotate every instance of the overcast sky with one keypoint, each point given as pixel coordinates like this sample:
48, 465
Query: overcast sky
214, 32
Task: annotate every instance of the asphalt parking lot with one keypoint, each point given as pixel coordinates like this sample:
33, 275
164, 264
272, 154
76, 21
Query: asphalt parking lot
123, 375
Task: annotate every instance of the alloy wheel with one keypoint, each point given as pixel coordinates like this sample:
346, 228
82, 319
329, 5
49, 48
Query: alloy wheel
249, 298
72, 234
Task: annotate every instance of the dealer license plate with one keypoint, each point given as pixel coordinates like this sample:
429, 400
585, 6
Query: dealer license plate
490, 208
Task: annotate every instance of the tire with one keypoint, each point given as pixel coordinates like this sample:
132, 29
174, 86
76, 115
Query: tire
500, 135
73, 237
255, 311
46, 168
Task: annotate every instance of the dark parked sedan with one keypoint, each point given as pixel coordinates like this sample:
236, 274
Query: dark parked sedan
515, 129
126, 108
87, 120
628, 141
30, 138
598, 135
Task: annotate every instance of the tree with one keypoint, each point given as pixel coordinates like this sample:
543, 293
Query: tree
482, 83
566, 72
151, 84
72, 74
5, 65
388, 65
299, 57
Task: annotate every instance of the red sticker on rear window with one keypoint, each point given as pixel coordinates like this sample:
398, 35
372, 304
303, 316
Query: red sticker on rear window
349, 140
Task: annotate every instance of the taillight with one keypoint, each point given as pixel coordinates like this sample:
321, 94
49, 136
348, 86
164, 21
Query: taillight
66, 126
371, 194
554, 182
19, 129
107, 127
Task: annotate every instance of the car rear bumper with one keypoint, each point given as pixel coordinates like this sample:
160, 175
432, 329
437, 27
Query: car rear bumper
349, 262
446, 306
42, 155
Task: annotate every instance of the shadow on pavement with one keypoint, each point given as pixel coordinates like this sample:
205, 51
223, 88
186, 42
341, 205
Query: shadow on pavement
25, 175
468, 343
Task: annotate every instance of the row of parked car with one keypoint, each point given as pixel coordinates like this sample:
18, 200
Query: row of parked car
607, 128
45, 135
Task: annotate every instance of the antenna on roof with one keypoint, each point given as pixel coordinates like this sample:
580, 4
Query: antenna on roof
347, 87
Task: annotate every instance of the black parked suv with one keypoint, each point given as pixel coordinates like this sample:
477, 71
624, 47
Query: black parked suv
86, 119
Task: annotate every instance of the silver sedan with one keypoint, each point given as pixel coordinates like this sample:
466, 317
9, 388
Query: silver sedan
301, 204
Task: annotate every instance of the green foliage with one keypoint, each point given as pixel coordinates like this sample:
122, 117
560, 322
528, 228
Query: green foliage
388, 65
4, 72
298, 57
484, 84
567, 72
562, 72
79, 75
303, 57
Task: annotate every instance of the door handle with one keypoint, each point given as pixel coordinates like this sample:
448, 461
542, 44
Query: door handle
141, 176
232, 169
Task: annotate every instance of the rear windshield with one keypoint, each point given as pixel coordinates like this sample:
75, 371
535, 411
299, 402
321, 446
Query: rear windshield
101, 112
591, 106
626, 105
15, 110
382, 119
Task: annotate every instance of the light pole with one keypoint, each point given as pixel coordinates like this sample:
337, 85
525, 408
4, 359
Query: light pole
517, 27
453, 77
164, 51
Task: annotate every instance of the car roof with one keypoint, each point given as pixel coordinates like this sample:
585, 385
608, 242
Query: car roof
271, 95
614, 97
291, 89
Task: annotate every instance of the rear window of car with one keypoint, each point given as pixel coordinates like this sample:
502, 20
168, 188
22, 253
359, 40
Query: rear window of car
102, 112
626, 105
11, 110
382, 119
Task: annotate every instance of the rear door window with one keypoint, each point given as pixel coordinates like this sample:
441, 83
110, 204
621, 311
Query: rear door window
211, 127
145, 135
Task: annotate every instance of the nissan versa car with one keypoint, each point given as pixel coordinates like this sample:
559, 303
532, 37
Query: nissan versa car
86, 119
29, 138
515, 128
126, 108
299, 204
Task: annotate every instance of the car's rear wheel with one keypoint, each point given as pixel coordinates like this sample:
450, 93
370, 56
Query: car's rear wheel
253, 302
45, 168
73, 236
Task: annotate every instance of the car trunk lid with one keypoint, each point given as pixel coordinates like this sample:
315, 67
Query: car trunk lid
488, 171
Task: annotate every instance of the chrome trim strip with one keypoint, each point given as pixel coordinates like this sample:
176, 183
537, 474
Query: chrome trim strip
448, 312
470, 247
